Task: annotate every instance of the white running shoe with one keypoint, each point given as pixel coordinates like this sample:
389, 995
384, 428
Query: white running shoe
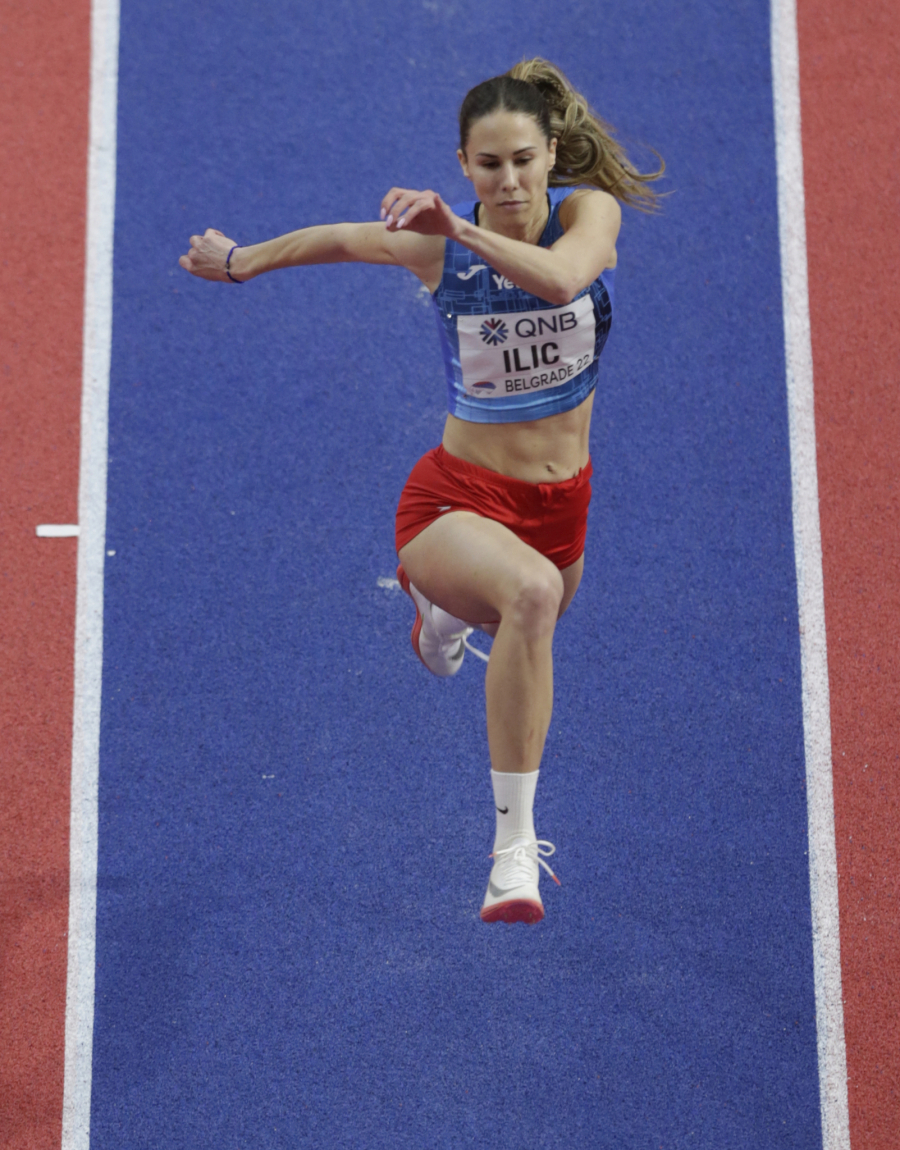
441, 652
512, 892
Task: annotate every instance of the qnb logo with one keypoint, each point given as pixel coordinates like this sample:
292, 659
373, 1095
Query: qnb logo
560, 321
494, 331
484, 387
473, 270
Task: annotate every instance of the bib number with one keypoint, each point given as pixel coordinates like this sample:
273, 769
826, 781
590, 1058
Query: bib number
525, 351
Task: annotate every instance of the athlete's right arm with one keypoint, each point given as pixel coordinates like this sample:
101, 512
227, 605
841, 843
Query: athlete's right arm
369, 243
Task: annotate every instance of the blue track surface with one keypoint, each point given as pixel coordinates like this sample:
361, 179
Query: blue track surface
297, 960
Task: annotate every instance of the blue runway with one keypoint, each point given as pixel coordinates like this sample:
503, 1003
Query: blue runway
294, 816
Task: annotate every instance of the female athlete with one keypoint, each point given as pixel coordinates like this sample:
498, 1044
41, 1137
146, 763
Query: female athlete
491, 524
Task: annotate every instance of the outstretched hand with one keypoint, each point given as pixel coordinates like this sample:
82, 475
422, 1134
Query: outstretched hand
207, 256
423, 212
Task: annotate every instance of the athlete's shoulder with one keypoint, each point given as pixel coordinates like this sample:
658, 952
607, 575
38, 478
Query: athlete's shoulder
588, 205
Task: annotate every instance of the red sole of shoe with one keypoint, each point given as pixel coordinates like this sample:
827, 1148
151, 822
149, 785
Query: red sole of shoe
517, 910
403, 580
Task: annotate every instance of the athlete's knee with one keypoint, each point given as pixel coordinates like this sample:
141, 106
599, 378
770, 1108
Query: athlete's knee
535, 601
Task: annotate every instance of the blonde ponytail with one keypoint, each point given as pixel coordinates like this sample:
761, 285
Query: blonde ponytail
586, 149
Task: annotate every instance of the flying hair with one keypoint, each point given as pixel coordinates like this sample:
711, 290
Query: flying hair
587, 151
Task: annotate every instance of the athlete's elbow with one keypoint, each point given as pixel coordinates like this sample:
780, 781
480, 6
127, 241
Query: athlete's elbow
571, 286
559, 292
563, 292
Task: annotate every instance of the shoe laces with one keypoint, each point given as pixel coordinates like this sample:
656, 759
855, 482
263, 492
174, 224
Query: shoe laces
450, 638
447, 638
478, 654
517, 860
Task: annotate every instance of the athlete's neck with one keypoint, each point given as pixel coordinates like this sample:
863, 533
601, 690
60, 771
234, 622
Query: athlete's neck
528, 230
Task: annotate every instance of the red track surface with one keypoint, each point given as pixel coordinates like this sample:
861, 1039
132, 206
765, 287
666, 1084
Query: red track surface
850, 79
850, 94
44, 81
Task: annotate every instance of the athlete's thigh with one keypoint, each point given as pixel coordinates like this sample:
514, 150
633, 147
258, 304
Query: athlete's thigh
473, 567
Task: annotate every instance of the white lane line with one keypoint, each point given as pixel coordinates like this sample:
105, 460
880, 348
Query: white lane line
810, 590
57, 530
97, 335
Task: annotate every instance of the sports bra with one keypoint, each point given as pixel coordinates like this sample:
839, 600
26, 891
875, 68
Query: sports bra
510, 356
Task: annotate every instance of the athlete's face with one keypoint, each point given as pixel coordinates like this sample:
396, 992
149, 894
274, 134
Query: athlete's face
508, 160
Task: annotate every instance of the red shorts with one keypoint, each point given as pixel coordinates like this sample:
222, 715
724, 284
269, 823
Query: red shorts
550, 517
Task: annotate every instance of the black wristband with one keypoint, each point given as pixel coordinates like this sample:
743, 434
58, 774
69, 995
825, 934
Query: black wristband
228, 265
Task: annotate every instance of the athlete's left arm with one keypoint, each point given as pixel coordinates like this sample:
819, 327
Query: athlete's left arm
591, 222
590, 219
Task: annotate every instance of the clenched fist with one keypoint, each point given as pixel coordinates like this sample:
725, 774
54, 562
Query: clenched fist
207, 256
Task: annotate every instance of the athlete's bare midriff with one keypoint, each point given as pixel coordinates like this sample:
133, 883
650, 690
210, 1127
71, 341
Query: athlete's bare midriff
545, 450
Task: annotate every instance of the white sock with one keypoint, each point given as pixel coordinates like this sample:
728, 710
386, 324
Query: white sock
514, 800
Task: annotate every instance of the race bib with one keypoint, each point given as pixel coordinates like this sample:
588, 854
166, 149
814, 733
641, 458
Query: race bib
525, 351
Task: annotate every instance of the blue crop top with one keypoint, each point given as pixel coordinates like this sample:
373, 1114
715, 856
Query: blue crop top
509, 355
